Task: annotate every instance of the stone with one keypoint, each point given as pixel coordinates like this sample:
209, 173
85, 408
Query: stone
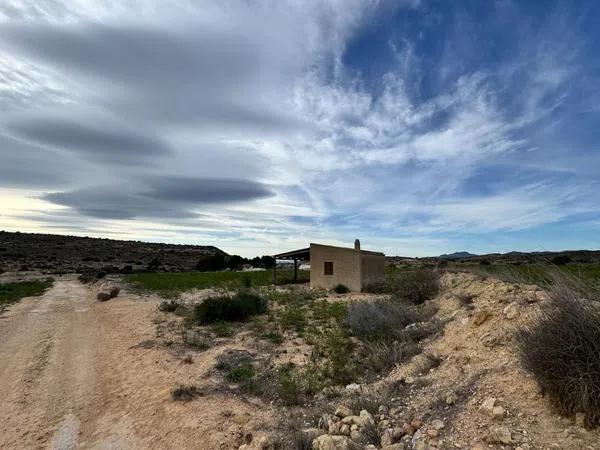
349, 420
409, 380
383, 424
353, 387
329, 442
386, 438
343, 411
487, 406
397, 433
345, 430
399, 446
310, 434
432, 432
103, 296
416, 423
480, 317
437, 424
114, 292
511, 311
356, 435
408, 429
498, 413
498, 435
365, 419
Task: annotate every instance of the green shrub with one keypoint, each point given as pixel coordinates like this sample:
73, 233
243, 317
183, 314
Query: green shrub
415, 286
274, 336
560, 346
222, 329
293, 317
341, 289
239, 307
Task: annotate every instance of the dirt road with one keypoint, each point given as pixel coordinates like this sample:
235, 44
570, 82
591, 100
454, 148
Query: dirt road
73, 376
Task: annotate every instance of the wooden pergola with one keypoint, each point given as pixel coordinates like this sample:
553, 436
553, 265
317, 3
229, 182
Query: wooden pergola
295, 255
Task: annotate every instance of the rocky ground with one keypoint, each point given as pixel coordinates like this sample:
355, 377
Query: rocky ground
78, 373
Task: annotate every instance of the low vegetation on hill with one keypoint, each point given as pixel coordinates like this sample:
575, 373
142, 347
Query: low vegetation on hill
432, 359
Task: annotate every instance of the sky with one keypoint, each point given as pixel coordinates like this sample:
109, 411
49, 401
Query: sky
421, 127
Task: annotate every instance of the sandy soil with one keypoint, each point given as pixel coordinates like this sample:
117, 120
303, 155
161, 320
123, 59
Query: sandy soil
73, 376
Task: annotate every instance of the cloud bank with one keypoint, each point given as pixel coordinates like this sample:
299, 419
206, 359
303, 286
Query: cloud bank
420, 127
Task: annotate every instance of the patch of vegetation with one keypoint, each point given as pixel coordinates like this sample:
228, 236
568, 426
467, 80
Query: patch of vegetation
560, 347
414, 285
172, 284
222, 329
236, 365
239, 307
185, 393
169, 305
274, 336
293, 317
341, 289
13, 292
380, 320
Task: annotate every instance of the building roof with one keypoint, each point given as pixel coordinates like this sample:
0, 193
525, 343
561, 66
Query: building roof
304, 253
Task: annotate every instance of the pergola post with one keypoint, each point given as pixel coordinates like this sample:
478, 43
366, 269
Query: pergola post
295, 270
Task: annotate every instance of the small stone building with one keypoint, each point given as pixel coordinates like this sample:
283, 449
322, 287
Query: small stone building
330, 265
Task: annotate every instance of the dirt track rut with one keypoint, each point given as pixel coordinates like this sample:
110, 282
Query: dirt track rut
72, 376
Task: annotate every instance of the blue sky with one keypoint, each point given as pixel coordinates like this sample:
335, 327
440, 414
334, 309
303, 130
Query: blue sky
422, 127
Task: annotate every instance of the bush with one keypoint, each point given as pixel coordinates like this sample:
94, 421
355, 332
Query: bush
341, 289
561, 260
381, 320
237, 308
185, 393
415, 286
168, 305
560, 346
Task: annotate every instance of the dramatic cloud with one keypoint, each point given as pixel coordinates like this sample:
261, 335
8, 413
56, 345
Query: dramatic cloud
422, 127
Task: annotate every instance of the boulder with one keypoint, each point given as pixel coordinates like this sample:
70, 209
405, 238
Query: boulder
343, 411
329, 442
365, 419
103, 296
487, 406
498, 413
480, 317
498, 435
310, 434
511, 311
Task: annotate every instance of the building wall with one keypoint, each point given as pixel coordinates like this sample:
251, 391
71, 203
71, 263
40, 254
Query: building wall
346, 267
372, 268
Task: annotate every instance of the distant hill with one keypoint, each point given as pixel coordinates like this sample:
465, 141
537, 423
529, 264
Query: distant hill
562, 257
56, 253
457, 255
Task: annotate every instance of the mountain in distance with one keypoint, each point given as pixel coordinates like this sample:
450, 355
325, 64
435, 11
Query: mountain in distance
457, 255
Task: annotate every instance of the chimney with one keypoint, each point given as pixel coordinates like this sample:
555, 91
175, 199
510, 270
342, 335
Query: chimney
356, 245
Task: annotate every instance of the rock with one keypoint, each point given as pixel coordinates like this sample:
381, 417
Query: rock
383, 424
365, 419
416, 423
350, 420
397, 433
498, 413
103, 296
386, 438
480, 317
383, 409
432, 432
334, 427
437, 424
408, 429
409, 380
498, 435
345, 430
487, 406
399, 446
511, 311
310, 434
328, 442
370, 447
114, 292
343, 411
353, 387
356, 435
